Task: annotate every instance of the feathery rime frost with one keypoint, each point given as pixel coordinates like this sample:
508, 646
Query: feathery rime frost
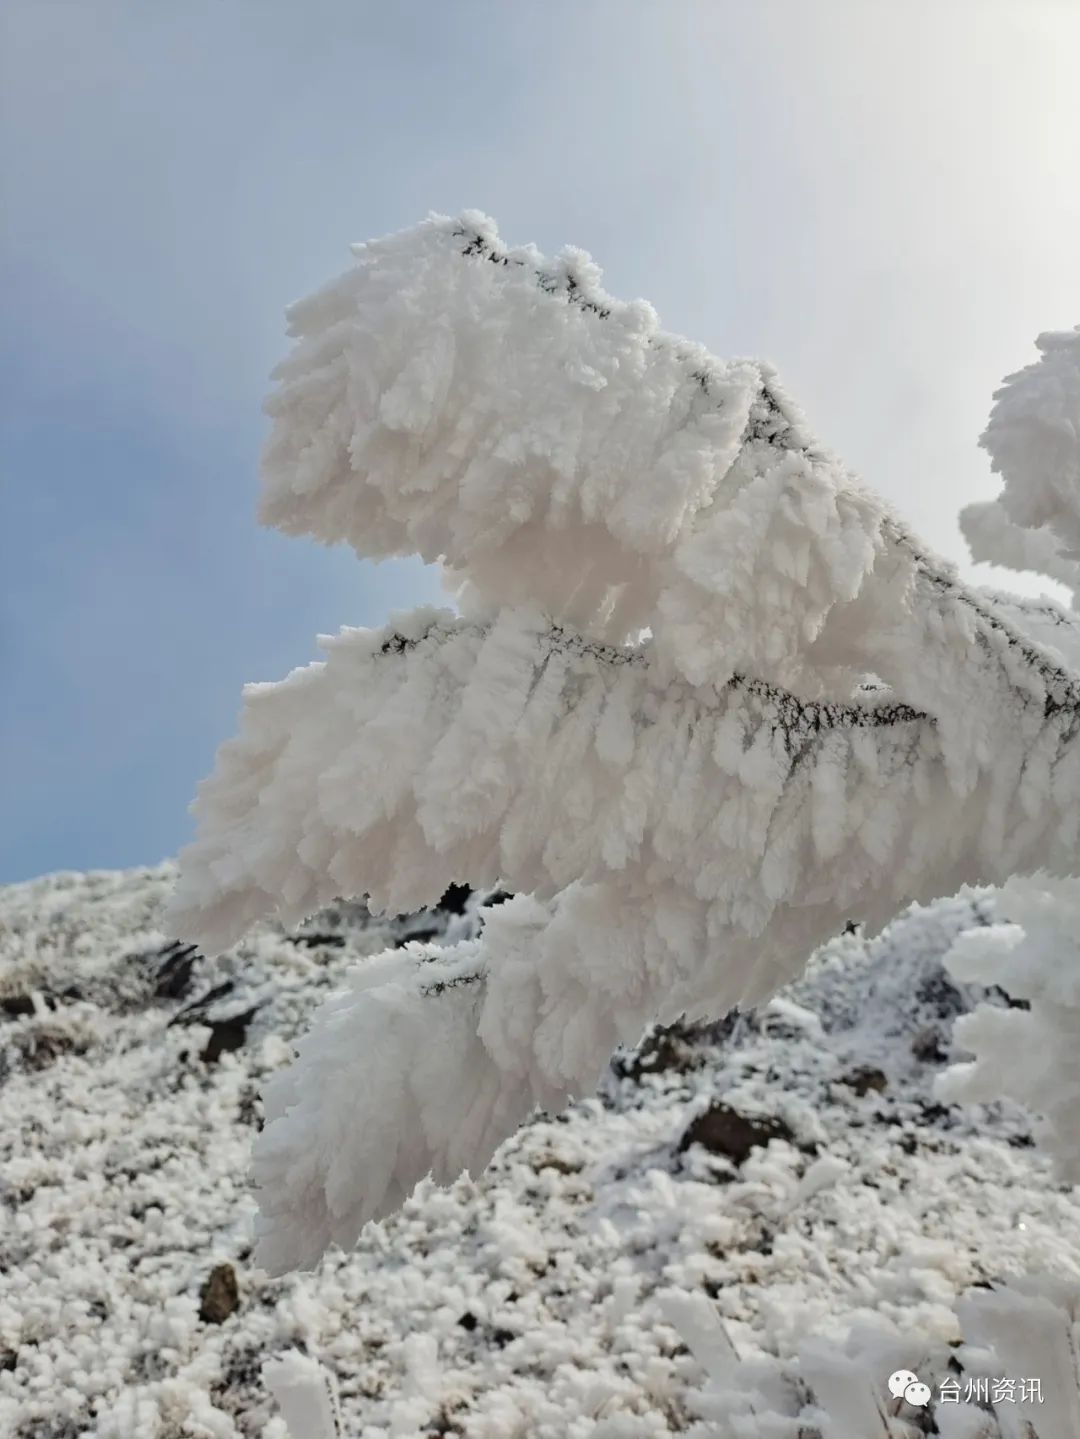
1033, 440
1031, 1054
684, 818
1026, 1327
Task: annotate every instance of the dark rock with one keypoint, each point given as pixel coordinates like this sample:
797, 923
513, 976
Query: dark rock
16, 1005
866, 1079
540, 1162
1007, 999
663, 1048
227, 1034
929, 1045
8, 1357
195, 1013
249, 1107
42, 1046
723, 1130
454, 900
174, 975
940, 996
220, 1295
937, 1113
418, 936
468, 1321
319, 941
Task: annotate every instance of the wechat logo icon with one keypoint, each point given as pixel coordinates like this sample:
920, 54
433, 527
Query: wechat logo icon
905, 1385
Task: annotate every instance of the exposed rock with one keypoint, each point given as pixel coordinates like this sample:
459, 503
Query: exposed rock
17, 1005
175, 974
220, 1295
866, 1079
723, 1130
556, 1162
929, 1045
41, 1046
227, 1034
195, 1013
454, 900
941, 996
418, 936
663, 1048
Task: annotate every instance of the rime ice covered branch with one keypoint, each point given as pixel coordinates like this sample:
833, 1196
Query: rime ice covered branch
686, 848
551, 446
824, 720
520, 752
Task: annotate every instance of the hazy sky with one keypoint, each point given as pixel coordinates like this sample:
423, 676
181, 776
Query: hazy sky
881, 196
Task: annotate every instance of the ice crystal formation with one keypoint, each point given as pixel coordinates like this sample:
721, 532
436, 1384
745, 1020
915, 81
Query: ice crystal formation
703, 698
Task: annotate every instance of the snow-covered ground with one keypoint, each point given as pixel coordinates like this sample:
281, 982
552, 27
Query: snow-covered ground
788, 1173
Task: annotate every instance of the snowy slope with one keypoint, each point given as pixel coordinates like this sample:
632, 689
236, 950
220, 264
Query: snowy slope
536, 1301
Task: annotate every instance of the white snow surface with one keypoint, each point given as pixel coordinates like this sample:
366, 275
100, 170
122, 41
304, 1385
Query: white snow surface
573, 1290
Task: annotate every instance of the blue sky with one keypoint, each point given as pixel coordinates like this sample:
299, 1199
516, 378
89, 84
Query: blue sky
879, 197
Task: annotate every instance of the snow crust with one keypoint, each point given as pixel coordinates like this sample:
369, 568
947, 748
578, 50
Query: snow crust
534, 1301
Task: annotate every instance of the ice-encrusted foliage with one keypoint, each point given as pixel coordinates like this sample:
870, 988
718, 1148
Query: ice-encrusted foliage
1033, 440
305, 1393
994, 538
1030, 1052
1011, 1332
822, 721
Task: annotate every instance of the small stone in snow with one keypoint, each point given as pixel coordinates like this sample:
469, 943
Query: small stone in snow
723, 1130
220, 1295
865, 1079
928, 1045
227, 1034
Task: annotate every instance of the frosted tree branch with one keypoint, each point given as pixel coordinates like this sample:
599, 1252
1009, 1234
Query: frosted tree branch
824, 719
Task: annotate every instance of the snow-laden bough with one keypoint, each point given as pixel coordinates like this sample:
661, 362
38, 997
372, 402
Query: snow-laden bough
704, 698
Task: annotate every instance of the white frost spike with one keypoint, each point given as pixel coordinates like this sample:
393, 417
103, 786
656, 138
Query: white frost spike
1031, 1055
1031, 1333
305, 1394
699, 1325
